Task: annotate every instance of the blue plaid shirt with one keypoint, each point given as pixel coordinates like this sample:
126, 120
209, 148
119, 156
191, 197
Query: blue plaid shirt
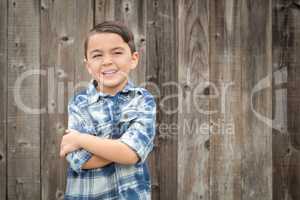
129, 116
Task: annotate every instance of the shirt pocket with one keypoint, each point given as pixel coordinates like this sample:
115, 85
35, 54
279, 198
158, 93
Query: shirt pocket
128, 117
104, 129
101, 120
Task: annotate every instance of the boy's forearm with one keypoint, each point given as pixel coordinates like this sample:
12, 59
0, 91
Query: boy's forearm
95, 162
109, 149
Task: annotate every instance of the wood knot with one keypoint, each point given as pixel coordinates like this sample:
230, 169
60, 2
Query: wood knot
61, 74
59, 194
127, 8
187, 87
142, 40
217, 35
151, 78
43, 7
60, 129
207, 144
64, 38
206, 91
52, 103
288, 151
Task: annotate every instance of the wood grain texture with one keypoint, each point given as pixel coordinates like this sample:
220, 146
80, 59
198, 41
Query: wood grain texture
104, 10
256, 71
23, 125
281, 139
226, 131
3, 97
240, 159
195, 56
162, 71
286, 46
64, 25
293, 98
193, 121
84, 21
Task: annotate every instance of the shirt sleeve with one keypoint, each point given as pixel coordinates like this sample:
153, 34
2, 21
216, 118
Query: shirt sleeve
140, 134
75, 121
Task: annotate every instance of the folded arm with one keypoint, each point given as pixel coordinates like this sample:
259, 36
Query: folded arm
133, 146
109, 149
95, 162
80, 158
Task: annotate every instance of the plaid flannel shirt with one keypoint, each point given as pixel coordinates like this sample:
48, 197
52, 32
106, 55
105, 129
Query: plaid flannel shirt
129, 117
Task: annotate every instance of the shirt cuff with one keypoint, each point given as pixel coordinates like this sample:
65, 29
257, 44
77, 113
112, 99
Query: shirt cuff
77, 158
141, 148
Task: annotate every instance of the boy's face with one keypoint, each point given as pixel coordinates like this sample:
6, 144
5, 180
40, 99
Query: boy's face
109, 61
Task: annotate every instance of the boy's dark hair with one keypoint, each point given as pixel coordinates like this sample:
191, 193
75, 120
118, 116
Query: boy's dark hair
112, 27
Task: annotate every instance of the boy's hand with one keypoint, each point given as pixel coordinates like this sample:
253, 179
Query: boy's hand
69, 142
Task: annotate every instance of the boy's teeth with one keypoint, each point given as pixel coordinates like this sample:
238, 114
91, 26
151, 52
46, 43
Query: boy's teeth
109, 72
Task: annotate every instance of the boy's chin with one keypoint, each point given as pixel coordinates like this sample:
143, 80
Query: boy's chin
111, 83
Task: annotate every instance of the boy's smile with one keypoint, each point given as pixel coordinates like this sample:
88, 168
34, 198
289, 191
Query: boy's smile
109, 61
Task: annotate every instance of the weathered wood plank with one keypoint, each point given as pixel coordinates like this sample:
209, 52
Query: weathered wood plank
225, 102
241, 151
256, 66
286, 98
293, 98
162, 71
85, 19
23, 126
3, 98
281, 140
104, 10
63, 28
193, 121
237, 48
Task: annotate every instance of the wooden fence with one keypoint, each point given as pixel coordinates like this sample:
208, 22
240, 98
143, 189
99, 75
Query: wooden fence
225, 74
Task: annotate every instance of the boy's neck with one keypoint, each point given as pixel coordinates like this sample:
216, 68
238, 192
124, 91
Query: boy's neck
112, 91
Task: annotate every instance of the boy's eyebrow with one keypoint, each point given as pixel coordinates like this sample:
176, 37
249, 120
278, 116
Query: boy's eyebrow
100, 51
96, 50
117, 48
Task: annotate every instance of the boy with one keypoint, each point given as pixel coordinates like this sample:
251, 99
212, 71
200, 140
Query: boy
111, 125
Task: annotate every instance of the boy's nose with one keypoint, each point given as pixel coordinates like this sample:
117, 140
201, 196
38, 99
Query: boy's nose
106, 60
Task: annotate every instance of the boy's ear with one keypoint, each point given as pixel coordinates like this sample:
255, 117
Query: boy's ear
134, 59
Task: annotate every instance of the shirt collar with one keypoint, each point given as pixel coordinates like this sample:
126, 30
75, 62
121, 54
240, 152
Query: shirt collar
94, 95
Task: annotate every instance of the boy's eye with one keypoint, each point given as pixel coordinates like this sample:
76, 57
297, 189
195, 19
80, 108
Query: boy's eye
95, 56
118, 52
